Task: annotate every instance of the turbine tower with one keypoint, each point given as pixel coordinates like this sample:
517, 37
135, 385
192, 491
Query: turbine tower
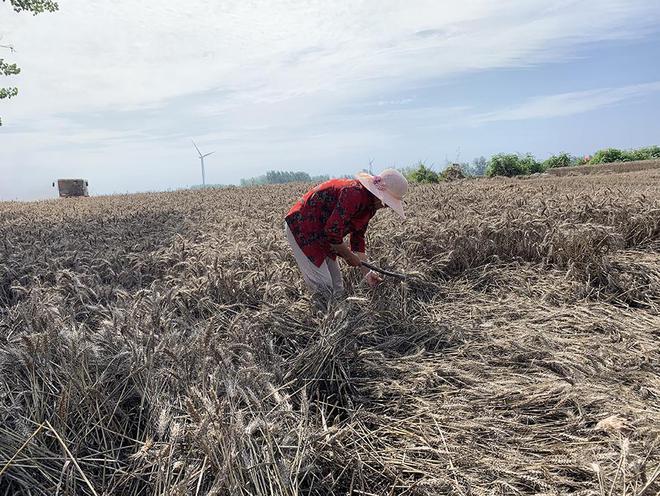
201, 158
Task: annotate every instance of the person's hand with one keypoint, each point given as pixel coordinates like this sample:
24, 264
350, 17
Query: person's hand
353, 260
373, 279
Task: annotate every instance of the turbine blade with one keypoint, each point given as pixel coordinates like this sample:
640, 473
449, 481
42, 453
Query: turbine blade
200, 153
208, 154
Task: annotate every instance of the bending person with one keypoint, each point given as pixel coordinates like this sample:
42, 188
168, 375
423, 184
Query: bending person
316, 226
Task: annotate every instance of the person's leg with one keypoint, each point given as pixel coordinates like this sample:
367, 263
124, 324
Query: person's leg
335, 274
318, 279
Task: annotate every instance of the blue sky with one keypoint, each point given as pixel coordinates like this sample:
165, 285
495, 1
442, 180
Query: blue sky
114, 91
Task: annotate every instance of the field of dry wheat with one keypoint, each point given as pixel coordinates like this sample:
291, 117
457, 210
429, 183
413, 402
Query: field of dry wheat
164, 344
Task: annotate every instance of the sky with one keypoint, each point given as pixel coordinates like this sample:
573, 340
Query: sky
114, 91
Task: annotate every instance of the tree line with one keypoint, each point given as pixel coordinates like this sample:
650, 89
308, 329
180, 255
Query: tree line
282, 177
501, 164
516, 164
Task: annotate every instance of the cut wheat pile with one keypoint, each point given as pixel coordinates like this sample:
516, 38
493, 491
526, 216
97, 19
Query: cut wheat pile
163, 344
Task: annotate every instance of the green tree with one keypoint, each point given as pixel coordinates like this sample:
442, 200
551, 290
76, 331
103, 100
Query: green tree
646, 153
34, 6
505, 164
7, 69
282, 177
609, 155
531, 165
454, 172
479, 166
562, 160
464, 167
421, 174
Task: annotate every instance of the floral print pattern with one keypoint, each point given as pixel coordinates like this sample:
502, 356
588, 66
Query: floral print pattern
329, 212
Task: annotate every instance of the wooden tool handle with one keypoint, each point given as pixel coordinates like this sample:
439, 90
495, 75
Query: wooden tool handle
375, 268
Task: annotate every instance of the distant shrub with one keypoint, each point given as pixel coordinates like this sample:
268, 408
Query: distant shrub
609, 155
562, 160
479, 166
453, 172
506, 164
647, 153
531, 165
283, 177
464, 167
421, 174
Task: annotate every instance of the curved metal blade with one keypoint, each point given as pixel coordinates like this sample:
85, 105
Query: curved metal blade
375, 268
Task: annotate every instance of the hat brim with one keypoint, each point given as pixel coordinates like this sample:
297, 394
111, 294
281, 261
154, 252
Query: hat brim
367, 180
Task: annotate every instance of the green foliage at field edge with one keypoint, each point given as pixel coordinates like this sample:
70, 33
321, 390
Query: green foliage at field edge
36, 7
282, 177
609, 155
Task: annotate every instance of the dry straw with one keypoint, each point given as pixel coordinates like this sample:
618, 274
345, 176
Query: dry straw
163, 344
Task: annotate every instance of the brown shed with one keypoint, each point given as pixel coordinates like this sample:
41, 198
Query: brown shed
72, 187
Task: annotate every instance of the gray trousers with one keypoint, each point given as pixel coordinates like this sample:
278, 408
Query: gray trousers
324, 279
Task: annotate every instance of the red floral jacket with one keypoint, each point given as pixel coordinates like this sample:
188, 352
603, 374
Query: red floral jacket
327, 213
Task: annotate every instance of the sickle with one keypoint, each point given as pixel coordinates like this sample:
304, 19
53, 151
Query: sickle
375, 268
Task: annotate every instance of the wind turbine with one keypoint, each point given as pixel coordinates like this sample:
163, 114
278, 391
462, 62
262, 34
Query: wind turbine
201, 158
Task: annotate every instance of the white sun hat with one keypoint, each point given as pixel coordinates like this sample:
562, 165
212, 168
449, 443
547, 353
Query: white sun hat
389, 187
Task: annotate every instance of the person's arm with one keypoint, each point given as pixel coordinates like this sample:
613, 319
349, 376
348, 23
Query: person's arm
345, 252
358, 246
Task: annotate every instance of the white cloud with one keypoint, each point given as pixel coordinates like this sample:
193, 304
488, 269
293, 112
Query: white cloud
261, 75
110, 54
565, 104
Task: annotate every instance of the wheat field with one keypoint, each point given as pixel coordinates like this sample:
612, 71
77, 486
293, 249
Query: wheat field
163, 344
